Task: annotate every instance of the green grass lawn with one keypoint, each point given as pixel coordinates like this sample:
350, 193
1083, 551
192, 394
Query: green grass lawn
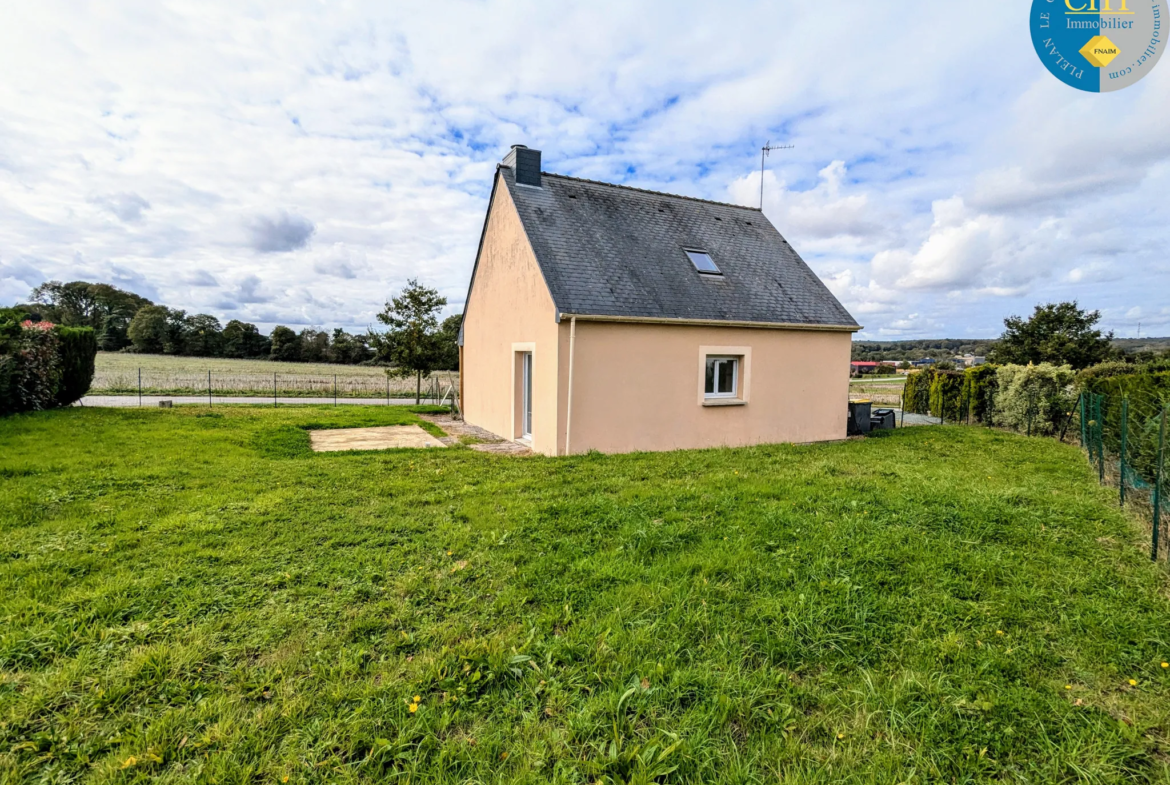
188, 595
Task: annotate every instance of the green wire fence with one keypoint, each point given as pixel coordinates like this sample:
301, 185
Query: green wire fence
1123, 433
1125, 438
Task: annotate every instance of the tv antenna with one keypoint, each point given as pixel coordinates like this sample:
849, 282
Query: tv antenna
769, 147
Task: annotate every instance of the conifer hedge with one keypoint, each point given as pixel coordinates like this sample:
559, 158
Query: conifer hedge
43, 365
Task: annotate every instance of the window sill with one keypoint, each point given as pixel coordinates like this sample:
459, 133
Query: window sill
724, 402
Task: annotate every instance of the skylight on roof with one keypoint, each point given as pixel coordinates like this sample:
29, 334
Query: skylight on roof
703, 262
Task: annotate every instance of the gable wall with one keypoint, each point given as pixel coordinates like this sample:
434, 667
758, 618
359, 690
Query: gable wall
509, 303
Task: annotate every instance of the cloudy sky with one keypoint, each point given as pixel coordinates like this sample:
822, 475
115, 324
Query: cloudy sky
296, 162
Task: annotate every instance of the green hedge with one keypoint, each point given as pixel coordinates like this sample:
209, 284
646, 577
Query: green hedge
950, 394
978, 394
945, 400
1034, 398
42, 366
78, 348
1148, 394
916, 393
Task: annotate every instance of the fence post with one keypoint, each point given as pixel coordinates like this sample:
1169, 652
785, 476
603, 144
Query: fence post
1084, 436
1158, 485
1124, 440
209, 388
274, 389
387, 389
902, 405
1068, 418
334, 389
140, 387
1100, 417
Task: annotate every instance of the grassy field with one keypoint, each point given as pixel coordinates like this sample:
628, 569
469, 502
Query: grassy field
117, 373
884, 390
194, 596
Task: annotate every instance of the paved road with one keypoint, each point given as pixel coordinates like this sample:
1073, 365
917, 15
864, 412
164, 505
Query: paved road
152, 400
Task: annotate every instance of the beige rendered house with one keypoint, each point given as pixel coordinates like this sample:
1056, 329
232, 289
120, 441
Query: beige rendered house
603, 317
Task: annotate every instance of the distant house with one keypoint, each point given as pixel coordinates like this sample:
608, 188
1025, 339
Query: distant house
924, 362
859, 367
603, 317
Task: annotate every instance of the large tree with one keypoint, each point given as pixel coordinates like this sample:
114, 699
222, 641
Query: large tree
448, 338
285, 344
150, 329
202, 336
1058, 333
314, 345
411, 343
105, 308
243, 339
348, 349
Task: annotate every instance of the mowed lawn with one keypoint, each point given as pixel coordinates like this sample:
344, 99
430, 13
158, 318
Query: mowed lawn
193, 596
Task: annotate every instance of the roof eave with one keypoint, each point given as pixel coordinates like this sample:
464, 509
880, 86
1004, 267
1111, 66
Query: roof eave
850, 328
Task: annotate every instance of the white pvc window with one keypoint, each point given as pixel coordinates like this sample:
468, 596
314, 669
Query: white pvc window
722, 377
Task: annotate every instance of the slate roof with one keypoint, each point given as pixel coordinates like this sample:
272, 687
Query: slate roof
611, 250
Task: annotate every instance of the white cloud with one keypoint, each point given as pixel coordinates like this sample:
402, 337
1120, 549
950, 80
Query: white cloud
127, 207
309, 158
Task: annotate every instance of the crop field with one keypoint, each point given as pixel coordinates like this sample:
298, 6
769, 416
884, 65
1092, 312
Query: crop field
194, 596
117, 373
886, 390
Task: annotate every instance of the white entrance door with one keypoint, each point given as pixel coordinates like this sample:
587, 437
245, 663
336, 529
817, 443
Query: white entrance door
526, 427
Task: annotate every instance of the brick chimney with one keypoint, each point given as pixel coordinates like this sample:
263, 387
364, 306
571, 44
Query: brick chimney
525, 164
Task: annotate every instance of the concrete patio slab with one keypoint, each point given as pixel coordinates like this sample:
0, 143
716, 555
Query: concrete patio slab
383, 438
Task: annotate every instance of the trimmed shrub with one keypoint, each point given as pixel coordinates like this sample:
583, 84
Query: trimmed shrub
78, 347
945, 389
1105, 370
42, 366
978, 394
916, 393
1149, 396
1034, 398
31, 368
9, 336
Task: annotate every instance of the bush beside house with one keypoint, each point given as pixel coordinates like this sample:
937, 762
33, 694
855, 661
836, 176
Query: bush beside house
43, 365
1034, 398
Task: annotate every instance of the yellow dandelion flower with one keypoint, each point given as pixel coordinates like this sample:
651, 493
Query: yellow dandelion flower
284, 778
417, 699
1133, 682
1166, 664
413, 708
1068, 686
999, 632
840, 735
449, 552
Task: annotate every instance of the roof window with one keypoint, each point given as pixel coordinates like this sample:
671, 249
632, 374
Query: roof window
702, 262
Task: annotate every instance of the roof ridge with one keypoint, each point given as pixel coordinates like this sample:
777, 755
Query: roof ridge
648, 191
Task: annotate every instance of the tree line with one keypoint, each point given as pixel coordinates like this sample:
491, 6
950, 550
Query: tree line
1057, 333
125, 321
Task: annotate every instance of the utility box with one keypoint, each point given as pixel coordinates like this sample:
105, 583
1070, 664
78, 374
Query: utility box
859, 418
883, 420
164, 404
